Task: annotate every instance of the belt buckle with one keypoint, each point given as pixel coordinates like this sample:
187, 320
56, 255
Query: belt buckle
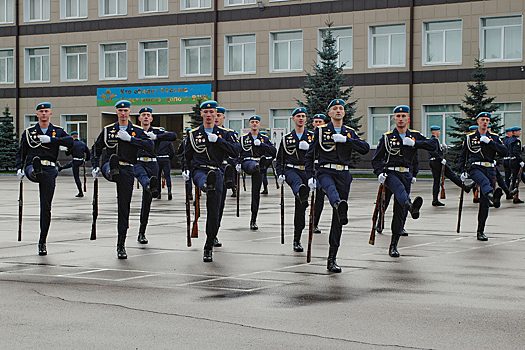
338, 167
301, 167
402, 169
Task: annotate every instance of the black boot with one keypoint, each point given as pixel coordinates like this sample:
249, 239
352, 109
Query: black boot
42, 249
482, 237
207, 257
265, 190
341, 208
392, 251
114, 168
234, 192
142, 235
170, 196
517, 201
297, 247
498, 193
253, 225
37, 168
153, 187
211, 180
404, 233
121, 252
331, 264
510, 193
437, 203
228, 176
413, 207
59, 167
302, 194
469, 187
80, 194
217, 243
316, 229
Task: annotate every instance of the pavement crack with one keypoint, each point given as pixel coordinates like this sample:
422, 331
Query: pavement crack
230, 323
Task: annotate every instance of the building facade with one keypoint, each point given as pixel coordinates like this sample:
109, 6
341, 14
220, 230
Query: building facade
251, 56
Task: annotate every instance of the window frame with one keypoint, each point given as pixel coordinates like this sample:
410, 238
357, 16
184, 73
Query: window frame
6, 66
244, 3
348, 66
288, 117
502, 113
371, 37
101, 7
184, 8
444, 114
66, 123
27, 65
425, 45
142, 11
102, 61
227, 54
183, 48
8, 12
482, 40
142, 60
81, 3
44, 11
64, 63
272, 52
370, 123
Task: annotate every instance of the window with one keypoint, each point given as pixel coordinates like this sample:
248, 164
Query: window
510, 114
240, 54
37, 65
238, 2
36, 10
76, 122
442, 42
113, 7
71, 9
442, 116
146, 6
195, 4
30, 120
196, 57
386, 47
239, 120
6, 67
74, 63
344, 42
7, 10
286, 50
154, 59
380, 120
501, 38
282, 118
113, 61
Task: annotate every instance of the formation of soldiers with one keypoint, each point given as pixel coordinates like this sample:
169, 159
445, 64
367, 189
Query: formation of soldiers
308, 161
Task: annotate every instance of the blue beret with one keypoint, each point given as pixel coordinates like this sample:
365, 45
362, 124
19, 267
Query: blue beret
299, 110
188, 129
263, 132
123, 104
145, 109
516, 128
435, 127
209, 104
320, 116
508, 129
74, 133
473, 127
221, 110
336, 102
484, 114
402, 109
43, 105
255, 117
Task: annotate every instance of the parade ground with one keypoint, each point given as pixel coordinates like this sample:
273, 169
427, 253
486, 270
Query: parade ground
446, 291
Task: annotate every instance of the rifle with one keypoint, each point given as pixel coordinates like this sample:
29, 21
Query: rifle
376, 214
383, 208
275, 176
188, 215
163, 182
195, 229
476, 194
282, 198
238, 191
138, 184
518, 183
460, 207
20, 209
85, 188
244, 180
310, 228
95, 211
442, 196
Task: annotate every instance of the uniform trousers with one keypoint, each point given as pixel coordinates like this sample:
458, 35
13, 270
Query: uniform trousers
213, 198
484, 178
436, 166
143, 171
399, 185
75, 164
164, 167
295, 178
46, 187
249, 168
508, 171
515, 169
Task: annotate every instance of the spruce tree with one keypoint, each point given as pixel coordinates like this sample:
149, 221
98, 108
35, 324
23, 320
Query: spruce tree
8, 141
475, 102
326, 84
196, 118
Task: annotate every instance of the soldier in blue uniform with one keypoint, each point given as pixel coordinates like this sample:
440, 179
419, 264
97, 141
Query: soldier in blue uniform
255, 150
206, 148
506, 160
436, 162
122, 141
36, 158
515, 160
333, 145
499, 178
227, 168
477, 155
290, 169
146, 168
318, 119
264, 174
180, 153
165, 153
393, 163
80, 153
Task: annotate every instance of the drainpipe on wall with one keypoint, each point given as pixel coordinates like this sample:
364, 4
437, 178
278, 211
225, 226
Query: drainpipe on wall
215, 48
411, 64
17, 72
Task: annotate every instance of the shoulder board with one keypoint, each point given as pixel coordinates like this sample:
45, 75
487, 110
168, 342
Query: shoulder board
388, 132
194, 129
137, 126
348, 127
288, 133
222, 128
414, 131
107, 126
155, 128
245, 134
471, 133
30, 127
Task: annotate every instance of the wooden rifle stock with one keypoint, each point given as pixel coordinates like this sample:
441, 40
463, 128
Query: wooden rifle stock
244, 180
20, 209
163, 182
138, 184
195, 228
383, 209
460, 209
188, 214
442, 196
310, 228
238, 191
275, 176
85, 187
476, 194
372, 238
95, 211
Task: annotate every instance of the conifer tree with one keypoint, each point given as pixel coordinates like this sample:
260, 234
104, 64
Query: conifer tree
8, 141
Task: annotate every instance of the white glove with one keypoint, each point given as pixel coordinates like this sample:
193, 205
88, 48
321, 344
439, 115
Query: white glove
44, 138
212, 138
407, 141
95, 172
186, 175
20, 173
484, 139
312, 183
257, 142
382, 178
281, 179
413, 181
152, 135
303, 145
339, 138
123, 135
444, 146
444, 161
463, 177
522, 164
238, 168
